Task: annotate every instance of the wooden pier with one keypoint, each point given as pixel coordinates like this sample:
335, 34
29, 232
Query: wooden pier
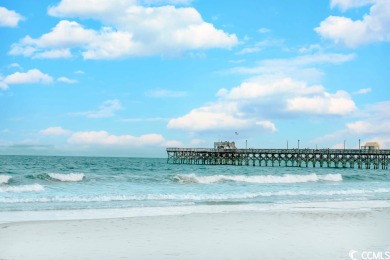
332, 158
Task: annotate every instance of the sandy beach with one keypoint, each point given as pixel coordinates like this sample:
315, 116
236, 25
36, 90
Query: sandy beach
275, 234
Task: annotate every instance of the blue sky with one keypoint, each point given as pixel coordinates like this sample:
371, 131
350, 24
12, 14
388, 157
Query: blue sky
130, 78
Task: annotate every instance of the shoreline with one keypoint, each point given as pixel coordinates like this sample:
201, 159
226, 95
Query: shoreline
114, 213
303, 233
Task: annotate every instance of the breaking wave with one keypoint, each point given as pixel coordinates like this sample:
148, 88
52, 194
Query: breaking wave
70, 177
4, 179
287, 178
191, 197
23, 188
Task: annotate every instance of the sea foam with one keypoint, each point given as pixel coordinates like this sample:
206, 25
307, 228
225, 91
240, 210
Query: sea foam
287, 178
192, 197
22, 188
71, 177
4, 179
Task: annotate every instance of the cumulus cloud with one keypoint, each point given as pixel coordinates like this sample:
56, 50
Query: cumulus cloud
281, 88
30, 77
254, 103
33, 76
376, 120
54, 54
106, 109
373, 124
216, 116
128, 29
373, 27
325, 103
55, 130
267, 125
9, 18
66, 80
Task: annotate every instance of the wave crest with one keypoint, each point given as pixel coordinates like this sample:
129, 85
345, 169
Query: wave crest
23, 188
287, 178
70, 177
192, 197
4, 179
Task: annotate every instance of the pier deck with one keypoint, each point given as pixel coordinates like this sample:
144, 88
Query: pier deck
332, 158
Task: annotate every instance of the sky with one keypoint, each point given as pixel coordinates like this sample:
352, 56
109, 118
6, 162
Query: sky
132, 77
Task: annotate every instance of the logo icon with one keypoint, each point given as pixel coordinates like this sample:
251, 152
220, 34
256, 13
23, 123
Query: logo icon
351, 254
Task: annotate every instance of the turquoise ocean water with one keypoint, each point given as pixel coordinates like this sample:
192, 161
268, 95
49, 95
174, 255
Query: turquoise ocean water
39, 183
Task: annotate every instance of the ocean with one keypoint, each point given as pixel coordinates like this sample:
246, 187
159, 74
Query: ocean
143, 186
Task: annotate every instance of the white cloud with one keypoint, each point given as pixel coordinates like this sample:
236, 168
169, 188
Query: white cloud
217, 116
373, 125
90, 8
31, 76
255, 102
55, 130
80, 72
9, 18
362, 91
376, 121
54, 54
66, 80
374, 27
267, 125
55, 44
287, 95
339, 103
279, 90
128, 30
164, 93
263, 87
106, 109
104, 138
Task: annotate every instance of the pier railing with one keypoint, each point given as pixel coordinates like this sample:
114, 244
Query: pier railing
361, 158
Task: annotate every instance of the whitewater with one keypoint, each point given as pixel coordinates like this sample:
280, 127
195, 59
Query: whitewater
38, 183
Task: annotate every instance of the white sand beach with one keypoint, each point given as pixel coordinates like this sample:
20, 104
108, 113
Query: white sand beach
303, 233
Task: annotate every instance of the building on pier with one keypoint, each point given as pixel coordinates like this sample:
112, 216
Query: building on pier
371, 146
225, 145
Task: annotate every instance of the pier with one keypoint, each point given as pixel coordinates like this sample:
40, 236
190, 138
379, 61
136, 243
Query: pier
331, 158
